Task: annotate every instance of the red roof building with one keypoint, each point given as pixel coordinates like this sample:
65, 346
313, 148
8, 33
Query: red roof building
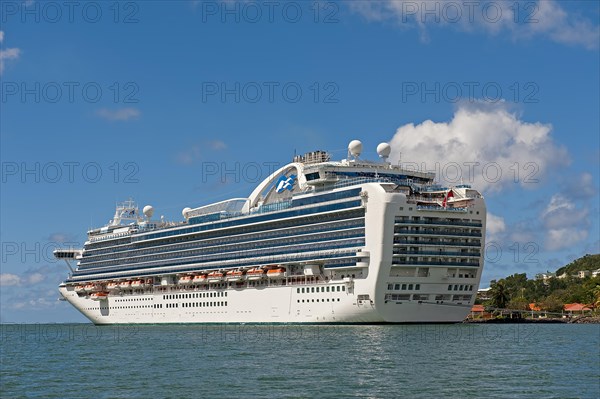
477, 309
576, 307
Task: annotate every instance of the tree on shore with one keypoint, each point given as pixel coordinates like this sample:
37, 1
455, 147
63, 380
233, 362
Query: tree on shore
596, 294
552, 303
499, 295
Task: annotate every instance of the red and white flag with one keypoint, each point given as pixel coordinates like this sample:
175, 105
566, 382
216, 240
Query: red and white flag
449, 195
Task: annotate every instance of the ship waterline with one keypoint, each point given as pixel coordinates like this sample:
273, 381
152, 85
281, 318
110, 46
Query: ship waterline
318, 241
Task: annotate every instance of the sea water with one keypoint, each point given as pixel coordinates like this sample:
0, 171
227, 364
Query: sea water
297, 361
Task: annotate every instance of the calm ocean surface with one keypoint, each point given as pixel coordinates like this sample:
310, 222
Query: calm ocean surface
194, 361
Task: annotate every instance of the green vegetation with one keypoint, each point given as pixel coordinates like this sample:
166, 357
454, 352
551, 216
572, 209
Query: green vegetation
517, 291
588, 262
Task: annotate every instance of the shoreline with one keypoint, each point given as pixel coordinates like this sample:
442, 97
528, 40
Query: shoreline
574, 320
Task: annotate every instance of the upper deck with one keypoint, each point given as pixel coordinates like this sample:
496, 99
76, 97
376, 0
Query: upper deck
308, 178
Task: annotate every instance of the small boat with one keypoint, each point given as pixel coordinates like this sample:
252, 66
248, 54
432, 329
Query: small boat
234, 275
98, 296
255, 273
125, 284
199, 279
137, 284
278, 272
112, 286
215, 277
79, 289
89, 287
185, 280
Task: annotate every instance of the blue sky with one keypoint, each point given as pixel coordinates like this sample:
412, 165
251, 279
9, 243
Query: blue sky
184, 103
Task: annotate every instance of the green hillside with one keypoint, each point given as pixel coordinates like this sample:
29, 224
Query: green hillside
588, 262
517, 291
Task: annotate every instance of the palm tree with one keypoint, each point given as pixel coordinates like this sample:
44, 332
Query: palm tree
499, 295
596, 294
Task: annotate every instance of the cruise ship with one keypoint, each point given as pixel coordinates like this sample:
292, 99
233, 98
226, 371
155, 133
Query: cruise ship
318, 241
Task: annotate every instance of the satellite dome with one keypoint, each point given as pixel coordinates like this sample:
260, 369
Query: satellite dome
355, 148
185, 211
383, 150
148, 211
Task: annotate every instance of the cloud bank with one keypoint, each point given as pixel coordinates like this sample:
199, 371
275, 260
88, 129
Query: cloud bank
520, 20
7, 54
484, 145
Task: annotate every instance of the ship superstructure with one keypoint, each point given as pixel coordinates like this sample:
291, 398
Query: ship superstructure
318, 241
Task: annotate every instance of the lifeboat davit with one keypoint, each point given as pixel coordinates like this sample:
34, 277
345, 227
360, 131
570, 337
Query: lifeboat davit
185, 280
98, 296
234, 275
199, 279
215, 277
112, 286
125, 284
255, 273
278, 272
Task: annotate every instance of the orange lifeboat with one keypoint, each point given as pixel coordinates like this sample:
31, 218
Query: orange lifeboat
137, 284
112, 286
255, 273
125, 284
185, 280
199, 279
98, 296
278, 272
214, 277
79, 289
89, 287
234, 275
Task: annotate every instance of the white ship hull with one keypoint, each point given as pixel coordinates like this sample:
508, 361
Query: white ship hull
268, 305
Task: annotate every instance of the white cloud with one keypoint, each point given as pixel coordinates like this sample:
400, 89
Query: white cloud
565, 224
7, 54
35, 278
8, 279
563, 238
495, 224
34, 303
484, 145
13, 280
580, 187
122, 114
217, 145
540, 18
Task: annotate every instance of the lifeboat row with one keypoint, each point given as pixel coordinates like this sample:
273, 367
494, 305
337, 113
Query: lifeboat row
256, 273
113, 286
